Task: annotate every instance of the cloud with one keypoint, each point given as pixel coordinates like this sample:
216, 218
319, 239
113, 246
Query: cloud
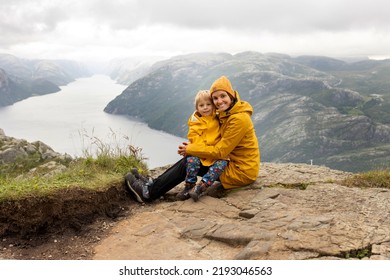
26, 21
103, 29
274, 16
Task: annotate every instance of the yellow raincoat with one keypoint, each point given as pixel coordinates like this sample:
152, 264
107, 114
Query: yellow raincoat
204, 130
238, 142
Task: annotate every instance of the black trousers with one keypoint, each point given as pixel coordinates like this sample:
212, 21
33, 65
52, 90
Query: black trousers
171, 178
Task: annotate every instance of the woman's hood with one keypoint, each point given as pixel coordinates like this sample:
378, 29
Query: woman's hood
239, 107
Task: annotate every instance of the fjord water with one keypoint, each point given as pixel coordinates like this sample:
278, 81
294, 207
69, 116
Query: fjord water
70, 120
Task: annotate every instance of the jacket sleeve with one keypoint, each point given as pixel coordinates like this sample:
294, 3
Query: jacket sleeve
236, 127
192, 134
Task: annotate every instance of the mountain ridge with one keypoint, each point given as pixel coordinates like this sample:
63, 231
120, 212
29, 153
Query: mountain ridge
301, 113
23, 78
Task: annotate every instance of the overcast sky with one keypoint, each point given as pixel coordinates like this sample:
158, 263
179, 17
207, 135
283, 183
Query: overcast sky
105, 29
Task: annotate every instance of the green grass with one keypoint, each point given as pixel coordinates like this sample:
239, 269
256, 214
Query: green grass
101, 165
370, 179
82, 173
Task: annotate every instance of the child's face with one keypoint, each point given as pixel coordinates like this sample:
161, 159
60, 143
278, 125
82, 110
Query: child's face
205, 107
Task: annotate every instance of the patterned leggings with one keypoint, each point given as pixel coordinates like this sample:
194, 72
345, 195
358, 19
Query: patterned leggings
193, 165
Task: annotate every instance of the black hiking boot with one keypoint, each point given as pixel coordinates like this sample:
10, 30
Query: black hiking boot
146, 180
135, 172
197, 191
135, 187
184, 194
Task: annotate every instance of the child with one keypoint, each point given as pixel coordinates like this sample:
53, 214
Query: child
203, 128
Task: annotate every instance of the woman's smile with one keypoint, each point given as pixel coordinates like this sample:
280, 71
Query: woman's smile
222, 100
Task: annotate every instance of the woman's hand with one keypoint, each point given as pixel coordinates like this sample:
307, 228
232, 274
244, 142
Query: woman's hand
183, 149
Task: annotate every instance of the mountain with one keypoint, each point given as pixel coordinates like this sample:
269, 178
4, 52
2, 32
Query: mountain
306, 109
22, 78
10, 92
127, 70
368, 77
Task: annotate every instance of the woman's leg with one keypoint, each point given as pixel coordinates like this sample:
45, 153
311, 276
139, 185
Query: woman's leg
162, 184
168, 180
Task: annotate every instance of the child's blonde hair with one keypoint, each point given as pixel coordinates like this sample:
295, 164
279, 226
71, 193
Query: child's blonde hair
202, 94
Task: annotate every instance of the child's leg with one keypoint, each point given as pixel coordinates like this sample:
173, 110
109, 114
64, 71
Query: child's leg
214, 172
208, 179
192, 169
193, 166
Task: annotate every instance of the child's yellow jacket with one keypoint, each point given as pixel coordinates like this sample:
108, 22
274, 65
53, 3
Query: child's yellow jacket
204, 130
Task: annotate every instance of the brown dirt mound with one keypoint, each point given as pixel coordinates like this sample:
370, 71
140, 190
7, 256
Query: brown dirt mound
63, 225
64, 209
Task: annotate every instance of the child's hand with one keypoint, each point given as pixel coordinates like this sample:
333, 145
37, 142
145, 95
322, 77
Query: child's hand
183, 149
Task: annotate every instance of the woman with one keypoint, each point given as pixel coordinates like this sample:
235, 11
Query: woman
238, 143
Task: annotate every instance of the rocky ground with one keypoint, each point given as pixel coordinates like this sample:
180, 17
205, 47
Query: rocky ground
293, 211
19, 154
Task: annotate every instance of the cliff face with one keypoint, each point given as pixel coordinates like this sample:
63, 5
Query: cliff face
305, 109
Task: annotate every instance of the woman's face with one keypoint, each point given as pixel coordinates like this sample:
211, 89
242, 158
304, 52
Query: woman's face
222, 100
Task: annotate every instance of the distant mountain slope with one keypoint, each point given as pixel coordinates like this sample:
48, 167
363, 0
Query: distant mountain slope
302, 111
127, 70
368, 77
23, 78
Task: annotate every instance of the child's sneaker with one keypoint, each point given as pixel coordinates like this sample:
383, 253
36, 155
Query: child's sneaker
184, 194
197, 191
216, 190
